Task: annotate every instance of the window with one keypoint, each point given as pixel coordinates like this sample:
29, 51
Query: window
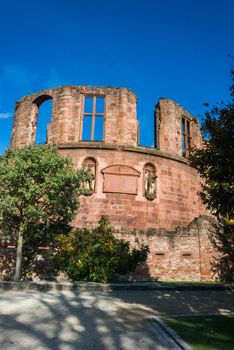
93, 118
186, 138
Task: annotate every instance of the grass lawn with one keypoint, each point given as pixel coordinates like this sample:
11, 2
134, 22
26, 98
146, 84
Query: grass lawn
205, 332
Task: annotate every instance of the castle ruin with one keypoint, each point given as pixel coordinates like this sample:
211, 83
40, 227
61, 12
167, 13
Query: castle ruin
148, 193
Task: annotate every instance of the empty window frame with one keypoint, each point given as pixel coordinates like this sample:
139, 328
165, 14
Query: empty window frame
93, 118
186, 137
42, 110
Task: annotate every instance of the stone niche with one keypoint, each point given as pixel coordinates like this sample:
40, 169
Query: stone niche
120, 179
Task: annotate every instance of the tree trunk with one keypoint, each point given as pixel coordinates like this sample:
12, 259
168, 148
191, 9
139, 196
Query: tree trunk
19, 255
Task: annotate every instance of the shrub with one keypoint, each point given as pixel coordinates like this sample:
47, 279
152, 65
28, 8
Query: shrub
96, 255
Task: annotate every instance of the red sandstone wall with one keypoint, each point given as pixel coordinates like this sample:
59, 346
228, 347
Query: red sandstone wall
7, 258
168, 134
176, 203
121, 125
185, 254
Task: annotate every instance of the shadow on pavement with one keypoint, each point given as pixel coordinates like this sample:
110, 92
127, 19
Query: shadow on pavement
70, 320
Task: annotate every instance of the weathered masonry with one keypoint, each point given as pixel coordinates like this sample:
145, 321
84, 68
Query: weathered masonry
150, 193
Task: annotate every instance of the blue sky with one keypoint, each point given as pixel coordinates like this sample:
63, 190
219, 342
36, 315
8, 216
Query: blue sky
158, 48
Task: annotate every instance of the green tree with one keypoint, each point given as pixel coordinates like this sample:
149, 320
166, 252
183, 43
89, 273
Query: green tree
215, 164
38, 198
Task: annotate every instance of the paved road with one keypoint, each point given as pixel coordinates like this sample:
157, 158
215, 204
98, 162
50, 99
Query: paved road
96, 320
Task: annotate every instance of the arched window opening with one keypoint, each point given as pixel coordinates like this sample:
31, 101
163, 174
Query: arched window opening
44, 106
150, 181
89, 165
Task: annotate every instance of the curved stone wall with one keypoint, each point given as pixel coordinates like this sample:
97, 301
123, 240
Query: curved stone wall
149, 191
173, 200
176, 202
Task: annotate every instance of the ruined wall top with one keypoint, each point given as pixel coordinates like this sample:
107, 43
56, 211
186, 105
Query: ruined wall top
79, 113
176, 130
103, 114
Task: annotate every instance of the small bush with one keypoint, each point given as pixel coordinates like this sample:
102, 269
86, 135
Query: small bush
96, 255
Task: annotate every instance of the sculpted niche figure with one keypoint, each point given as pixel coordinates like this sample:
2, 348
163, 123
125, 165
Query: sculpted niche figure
89, 165
150, 182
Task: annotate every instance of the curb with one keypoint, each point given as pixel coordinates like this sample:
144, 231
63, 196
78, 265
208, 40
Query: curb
168, 334
108, 287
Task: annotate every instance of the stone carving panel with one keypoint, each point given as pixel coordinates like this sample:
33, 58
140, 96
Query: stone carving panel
120, 179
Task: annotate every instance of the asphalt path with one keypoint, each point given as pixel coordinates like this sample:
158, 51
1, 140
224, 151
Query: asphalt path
118, 320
